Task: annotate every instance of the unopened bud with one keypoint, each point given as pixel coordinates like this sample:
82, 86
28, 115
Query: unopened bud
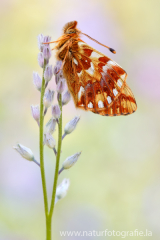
70, 161
56, 112
62, 189
35, 112
43, 39
50, 126
66, 98
60, 85
57, 67
70, 126
37, 81
58, 74
24, 151
49, 140
48, 98
41, 59
47, 39
47, 52
40, 42
48, 73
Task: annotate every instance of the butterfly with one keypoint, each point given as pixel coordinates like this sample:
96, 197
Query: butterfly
96, 82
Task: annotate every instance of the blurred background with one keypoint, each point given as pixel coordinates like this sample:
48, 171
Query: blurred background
115, 185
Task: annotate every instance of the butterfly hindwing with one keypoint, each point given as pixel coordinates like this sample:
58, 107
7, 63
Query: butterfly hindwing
90, 64
97, 83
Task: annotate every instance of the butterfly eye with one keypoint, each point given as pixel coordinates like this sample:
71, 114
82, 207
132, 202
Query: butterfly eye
71, 31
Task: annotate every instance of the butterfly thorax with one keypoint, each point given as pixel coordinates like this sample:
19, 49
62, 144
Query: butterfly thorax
68, 43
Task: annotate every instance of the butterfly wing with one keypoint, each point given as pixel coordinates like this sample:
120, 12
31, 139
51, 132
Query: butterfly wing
97, 83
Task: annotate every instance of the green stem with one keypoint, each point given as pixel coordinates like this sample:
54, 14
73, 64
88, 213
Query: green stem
42, 154
57, 159
48, 228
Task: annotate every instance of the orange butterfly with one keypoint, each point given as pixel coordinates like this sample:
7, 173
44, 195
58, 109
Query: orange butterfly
96, 82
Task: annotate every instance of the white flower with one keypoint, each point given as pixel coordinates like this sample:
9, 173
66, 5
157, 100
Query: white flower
35, 112
71, 125
48, 73
70, 161
62, 189
49, 140
24, 151
40, 42
50, 126
66, 98
48, 98
56, 112
37, 81
41, 59
60, 85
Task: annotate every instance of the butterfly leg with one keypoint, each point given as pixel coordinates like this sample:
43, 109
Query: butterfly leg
64, 58
63, 62
58, 40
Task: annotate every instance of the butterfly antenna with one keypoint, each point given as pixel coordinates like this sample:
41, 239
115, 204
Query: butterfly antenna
110, 49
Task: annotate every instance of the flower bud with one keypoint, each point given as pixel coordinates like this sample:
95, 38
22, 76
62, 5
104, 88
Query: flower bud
59, 75
62, 189
57, 67
56, 112
35, 112
41, 59
43, 39
70, 161
50, 126
46, 39
40, 42
66, 98
70, 126
37, 81
48, 98
48, 73
60, 85
49, 140
47, 52
24, 151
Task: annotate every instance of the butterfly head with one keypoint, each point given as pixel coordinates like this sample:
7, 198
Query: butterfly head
70, 28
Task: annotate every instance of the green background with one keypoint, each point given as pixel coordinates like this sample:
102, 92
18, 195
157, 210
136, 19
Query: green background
115, 184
